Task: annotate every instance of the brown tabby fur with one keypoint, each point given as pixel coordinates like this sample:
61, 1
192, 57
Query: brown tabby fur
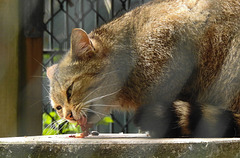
175, 62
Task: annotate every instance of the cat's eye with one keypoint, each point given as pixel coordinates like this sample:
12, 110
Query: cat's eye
69, 92
58, 107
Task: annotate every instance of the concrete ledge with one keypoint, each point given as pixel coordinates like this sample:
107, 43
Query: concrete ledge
117, 145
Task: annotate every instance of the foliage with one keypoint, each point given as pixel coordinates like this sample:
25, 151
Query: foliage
106, 121
53, 124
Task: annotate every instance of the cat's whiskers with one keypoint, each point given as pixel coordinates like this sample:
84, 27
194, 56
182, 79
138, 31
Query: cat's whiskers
59, 129
37, 102
105, 105
59, 122
51, 124
78, 107
109, 73
89, 110
81, 107
46, 89
96, 112
84, 114
44, 77
101, 97
47, 97
54, 125
40, 64
100, 87
81, 115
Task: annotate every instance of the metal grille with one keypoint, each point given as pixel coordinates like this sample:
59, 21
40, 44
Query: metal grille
60, 17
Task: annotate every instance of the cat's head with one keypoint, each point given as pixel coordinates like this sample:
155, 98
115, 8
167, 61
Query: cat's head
82, 84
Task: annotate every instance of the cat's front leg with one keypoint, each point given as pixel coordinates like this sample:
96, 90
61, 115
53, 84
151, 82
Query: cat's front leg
157, 115
159, 119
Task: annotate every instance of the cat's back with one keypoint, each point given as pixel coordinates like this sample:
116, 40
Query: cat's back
186, 11
200, 29
185, 20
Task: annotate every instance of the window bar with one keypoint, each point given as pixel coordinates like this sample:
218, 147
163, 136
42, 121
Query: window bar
97, 18
82, 13
125, 127
126, 119
129, 4
127, 123
51, 25
67, 25
112, 125
117, 122
61, 8
112, 3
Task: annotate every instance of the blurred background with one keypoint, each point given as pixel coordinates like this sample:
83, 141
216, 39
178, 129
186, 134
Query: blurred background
33, 36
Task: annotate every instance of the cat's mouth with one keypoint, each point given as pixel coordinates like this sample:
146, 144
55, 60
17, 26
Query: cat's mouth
82, 122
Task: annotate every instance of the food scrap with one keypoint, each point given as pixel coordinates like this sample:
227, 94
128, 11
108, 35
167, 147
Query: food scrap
77, 135
83, 135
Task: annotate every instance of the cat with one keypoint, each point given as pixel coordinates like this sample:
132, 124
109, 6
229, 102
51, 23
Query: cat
174, 62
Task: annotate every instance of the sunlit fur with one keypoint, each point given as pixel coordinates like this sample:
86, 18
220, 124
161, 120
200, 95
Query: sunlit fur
175, 62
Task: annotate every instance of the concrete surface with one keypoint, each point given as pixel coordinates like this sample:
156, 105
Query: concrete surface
117, 145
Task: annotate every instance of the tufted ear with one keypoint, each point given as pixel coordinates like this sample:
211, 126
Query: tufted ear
50, 71
81, 46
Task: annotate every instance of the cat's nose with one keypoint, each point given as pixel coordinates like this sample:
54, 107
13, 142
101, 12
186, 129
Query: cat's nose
69, 116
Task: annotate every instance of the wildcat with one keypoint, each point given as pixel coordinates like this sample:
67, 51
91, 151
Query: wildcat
174, 62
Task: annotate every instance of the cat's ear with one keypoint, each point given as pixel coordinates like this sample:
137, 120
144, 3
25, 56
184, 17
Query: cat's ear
50, 71
81, 46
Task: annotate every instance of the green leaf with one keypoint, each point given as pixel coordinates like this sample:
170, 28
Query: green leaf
53, 114
105, 121
53, 129
108, 119
49, 131
46, 56
46, 119
56, 58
